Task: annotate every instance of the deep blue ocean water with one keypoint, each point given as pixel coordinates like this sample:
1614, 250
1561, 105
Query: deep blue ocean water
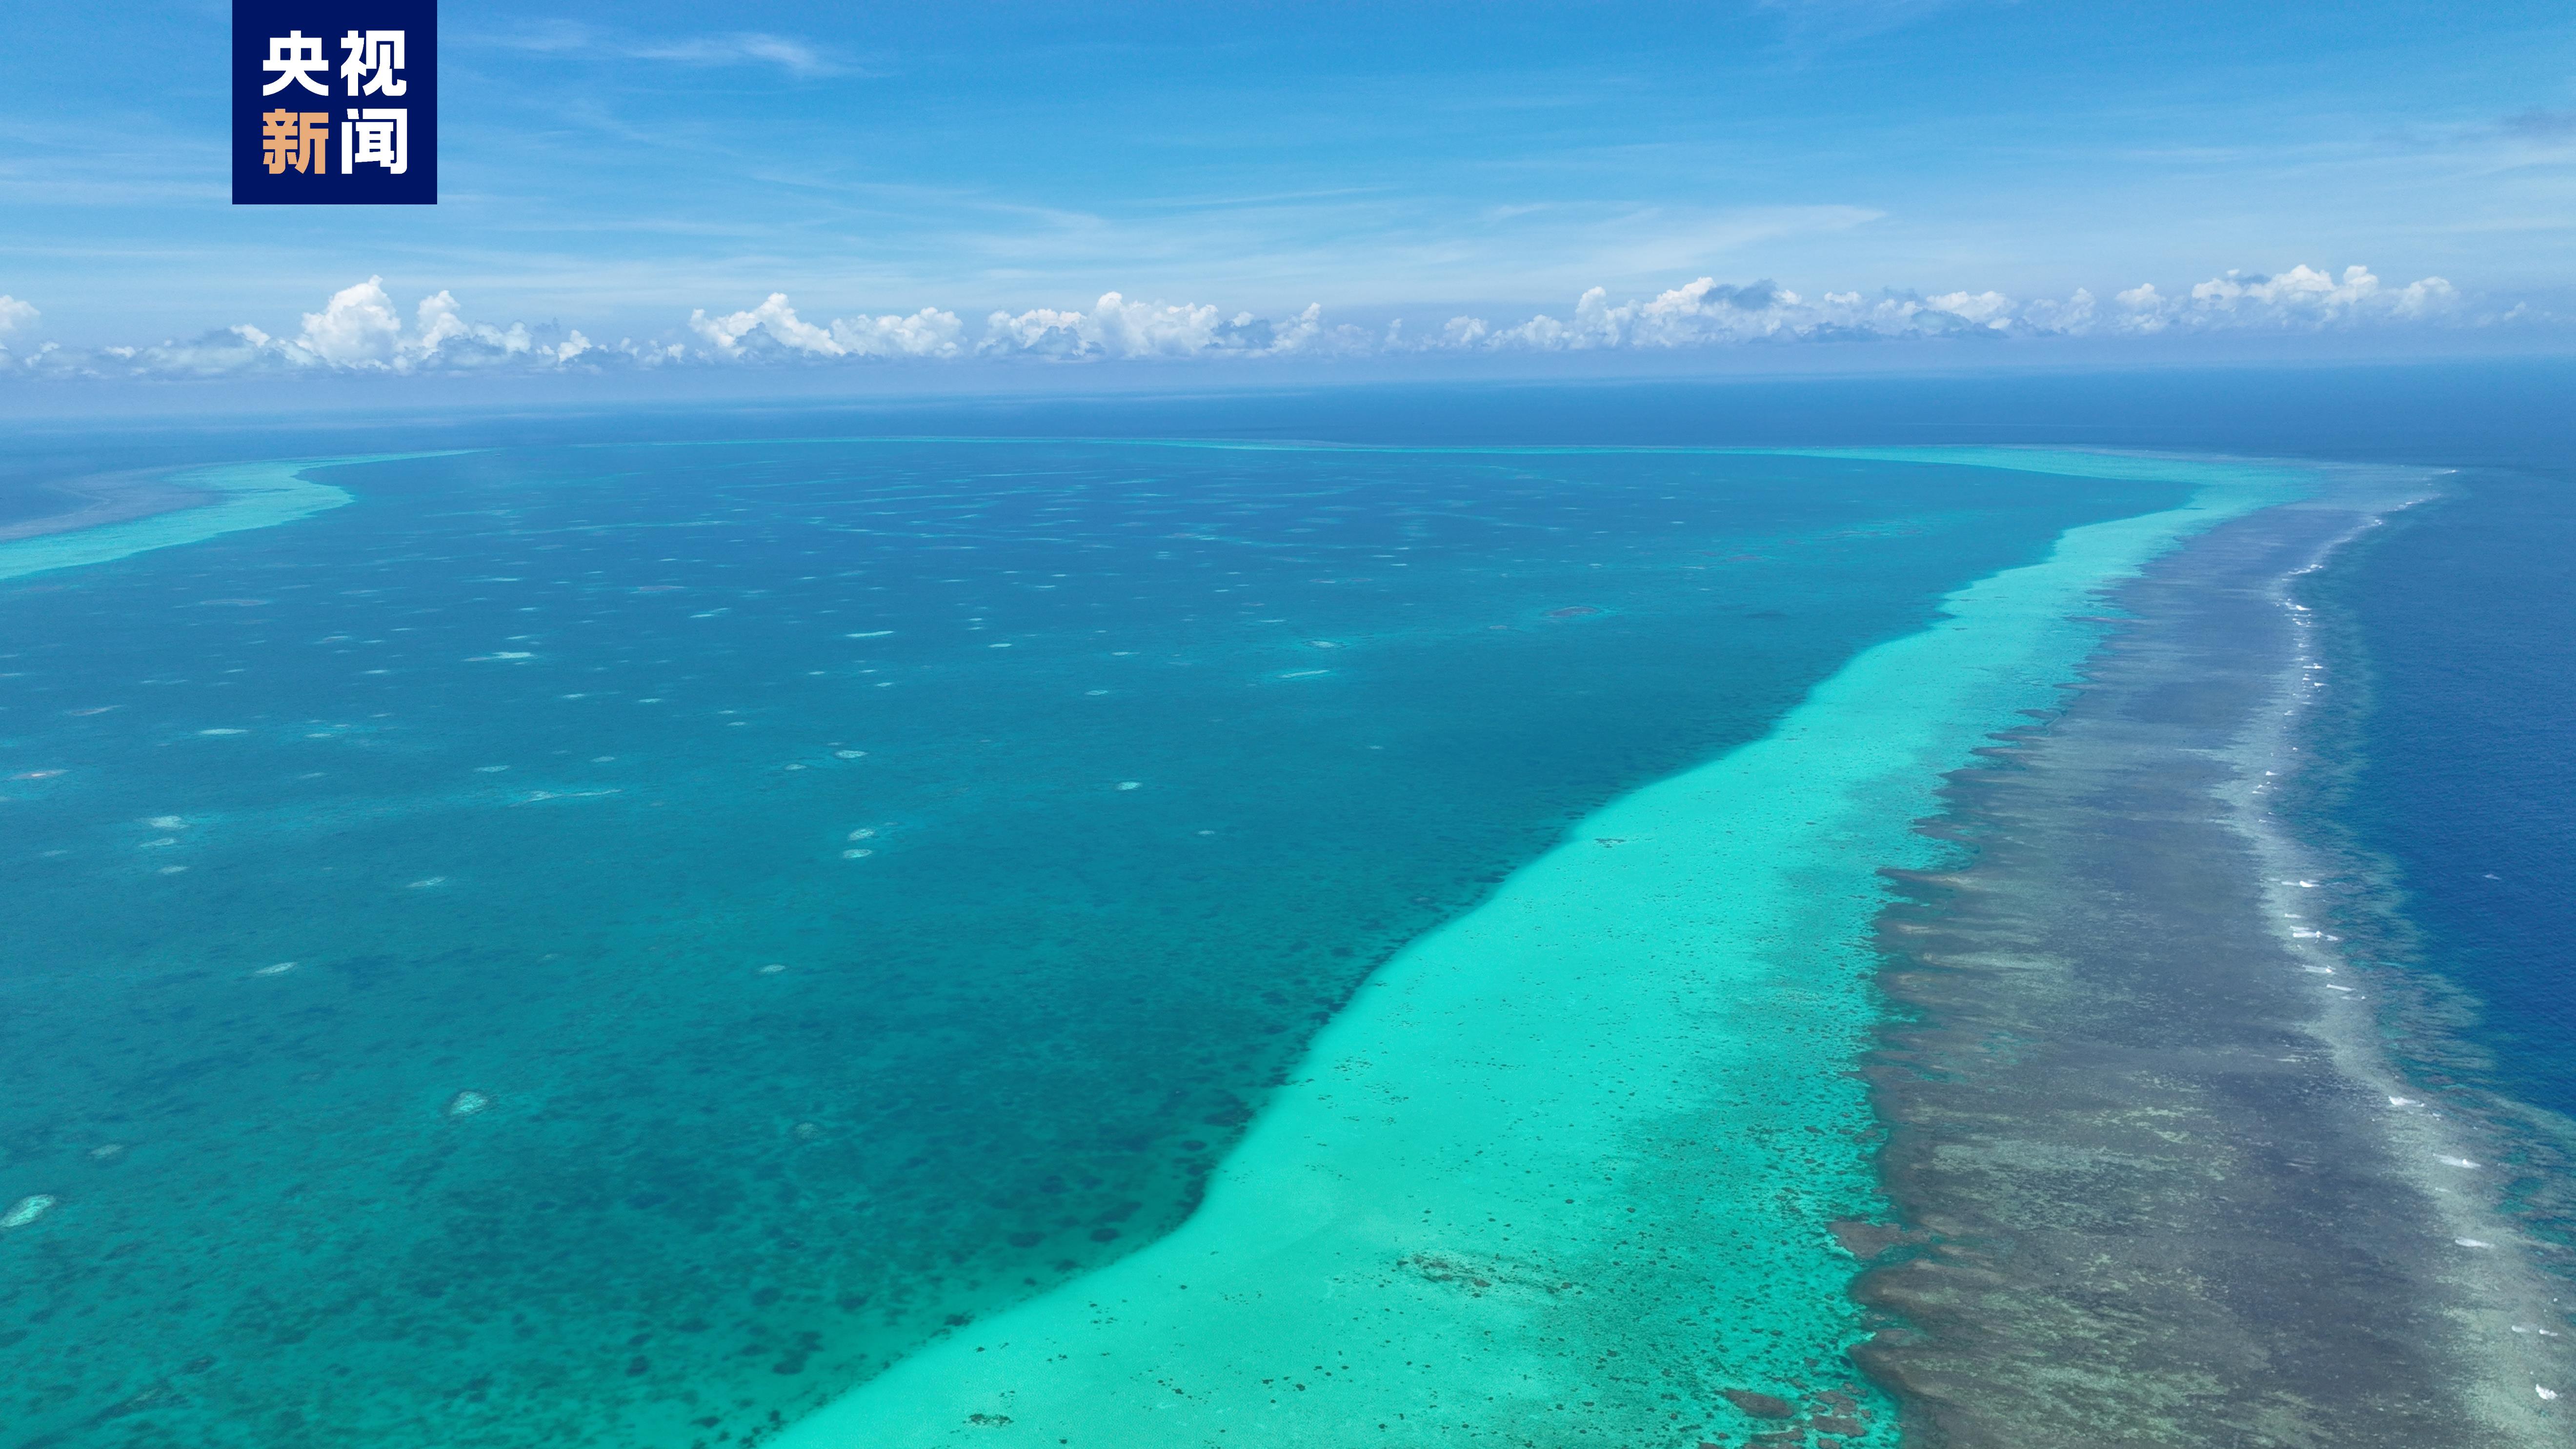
614, 943
2465, 778
547, 753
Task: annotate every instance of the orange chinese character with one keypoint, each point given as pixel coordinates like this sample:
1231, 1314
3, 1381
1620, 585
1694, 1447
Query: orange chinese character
298, 139
280, 134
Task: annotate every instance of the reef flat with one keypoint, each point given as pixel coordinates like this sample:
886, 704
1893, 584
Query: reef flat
1570, 1167
132, 514
102, 499
2159, 1186
616, 945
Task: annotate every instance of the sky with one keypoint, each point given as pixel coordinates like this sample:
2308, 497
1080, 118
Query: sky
668, 185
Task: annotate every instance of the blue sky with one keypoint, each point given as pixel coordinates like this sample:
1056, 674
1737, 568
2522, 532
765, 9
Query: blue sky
1452, 171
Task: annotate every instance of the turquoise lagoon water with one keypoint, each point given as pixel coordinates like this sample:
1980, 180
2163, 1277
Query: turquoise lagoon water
621, 944
252, 495
1565, 1170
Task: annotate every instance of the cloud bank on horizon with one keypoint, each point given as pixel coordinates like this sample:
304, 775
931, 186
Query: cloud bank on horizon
361, 330
671, 188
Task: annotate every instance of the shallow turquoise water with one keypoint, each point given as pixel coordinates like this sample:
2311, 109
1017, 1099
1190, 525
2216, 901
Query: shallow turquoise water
1568, 1169
534, 762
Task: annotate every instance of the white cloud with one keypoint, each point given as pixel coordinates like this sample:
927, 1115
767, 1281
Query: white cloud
361, 330
926, 333
2302, 295
1983, 308
742, 47
1118, 328
774, 328
749, 47
1703, 313
358, 329
772, 319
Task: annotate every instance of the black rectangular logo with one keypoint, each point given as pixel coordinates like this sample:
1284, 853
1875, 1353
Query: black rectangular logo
335, 102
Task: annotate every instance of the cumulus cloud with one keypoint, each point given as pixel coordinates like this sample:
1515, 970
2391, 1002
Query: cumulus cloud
773, 329
357, 329
1705, 313
2304, 296
1118, 328
360, 329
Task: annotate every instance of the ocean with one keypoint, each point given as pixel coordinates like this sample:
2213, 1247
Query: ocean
2464, 777
624, 931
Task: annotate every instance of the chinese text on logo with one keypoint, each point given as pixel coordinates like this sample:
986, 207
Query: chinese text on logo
335, 101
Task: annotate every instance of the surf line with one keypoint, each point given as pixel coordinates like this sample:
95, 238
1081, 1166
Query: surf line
253, 495
1569, 1163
